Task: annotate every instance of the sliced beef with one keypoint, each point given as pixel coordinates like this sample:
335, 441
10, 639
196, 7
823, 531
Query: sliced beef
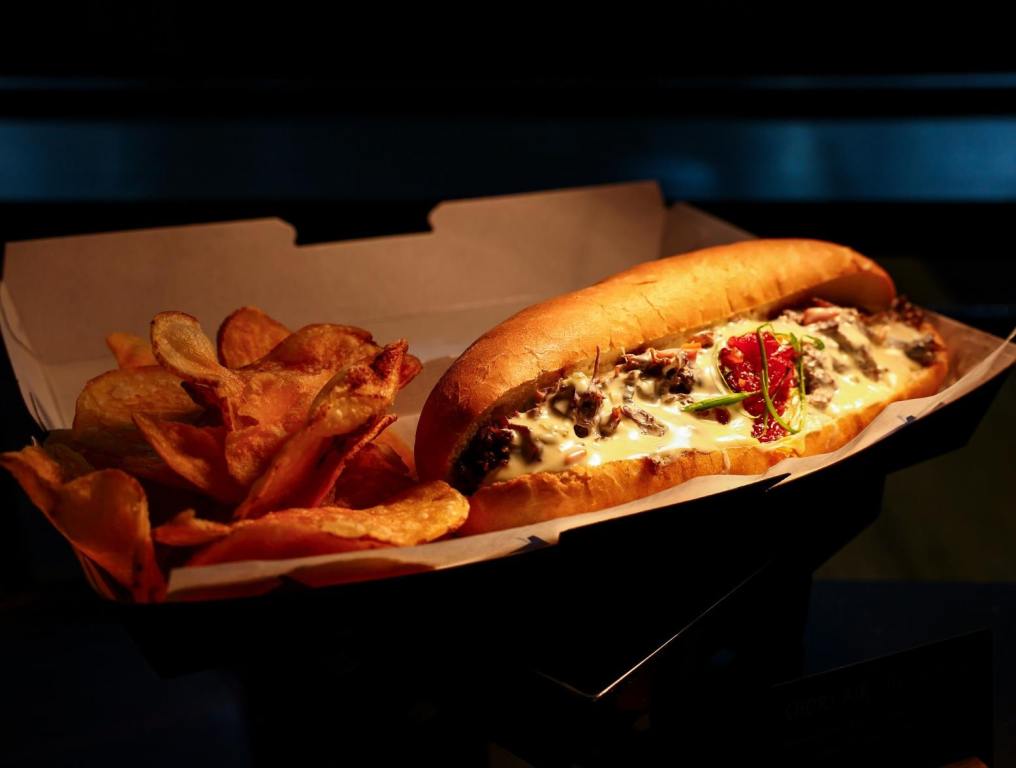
586, 405
859, 353
922, 350
644, 419
819, 384
488, 450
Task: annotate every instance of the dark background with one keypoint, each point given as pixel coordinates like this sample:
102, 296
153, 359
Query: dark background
114, 118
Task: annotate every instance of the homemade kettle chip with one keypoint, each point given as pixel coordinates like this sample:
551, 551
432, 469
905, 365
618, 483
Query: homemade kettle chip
109, 401
422, 513
295, 481
71, 462
373, 475
130, 351
247, 335
398, 446
189, 530
103, 514
272, 420
355, 397
195, 453
266, 401
124, 449
321, 347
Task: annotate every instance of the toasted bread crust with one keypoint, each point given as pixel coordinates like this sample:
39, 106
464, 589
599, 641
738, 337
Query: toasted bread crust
640, 306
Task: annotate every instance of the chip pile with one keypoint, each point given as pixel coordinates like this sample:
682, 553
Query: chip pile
268, 444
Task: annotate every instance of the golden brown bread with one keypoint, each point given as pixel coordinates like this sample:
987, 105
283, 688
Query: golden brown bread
642, 306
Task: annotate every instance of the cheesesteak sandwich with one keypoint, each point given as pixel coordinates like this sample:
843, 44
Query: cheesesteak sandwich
725, 360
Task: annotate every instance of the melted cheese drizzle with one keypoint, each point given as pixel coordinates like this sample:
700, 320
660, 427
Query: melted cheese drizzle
562, 449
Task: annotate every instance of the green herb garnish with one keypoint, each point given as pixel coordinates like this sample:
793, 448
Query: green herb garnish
798, 346
716, 402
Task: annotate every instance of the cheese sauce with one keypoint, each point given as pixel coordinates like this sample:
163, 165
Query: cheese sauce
669, 429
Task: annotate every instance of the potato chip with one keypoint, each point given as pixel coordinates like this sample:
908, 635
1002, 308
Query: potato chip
289, 421
121, 449
248, 335
297, 472
411, 367
103, 514
309, 487
278, 538
373, 475
273, 405
103, 431
289, 377
189, 530
244, 400
320, 347
421, 514
328, 347
130, 351
263, 404
195, 453
391, 440
182, 347
37, 473
249, 451
71, 462
109, 400
360, 392
354, 398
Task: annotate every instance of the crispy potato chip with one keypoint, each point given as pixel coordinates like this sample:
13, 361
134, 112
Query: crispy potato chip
263, 404
188, 530
391, 440
289, 421
290, 377
278, 538
248, 451
373, 475
197, 454
411, 367
37, 473
320, 347
103, 514
421, 514
109, 400
243, 399
104, 432
130, 351
122, 449
71, 462
352, 399
181, 347
273, 406
309, 487
360, 392
247, 335
297, 472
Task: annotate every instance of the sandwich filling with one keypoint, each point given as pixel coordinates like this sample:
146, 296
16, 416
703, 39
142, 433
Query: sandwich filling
747, 382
